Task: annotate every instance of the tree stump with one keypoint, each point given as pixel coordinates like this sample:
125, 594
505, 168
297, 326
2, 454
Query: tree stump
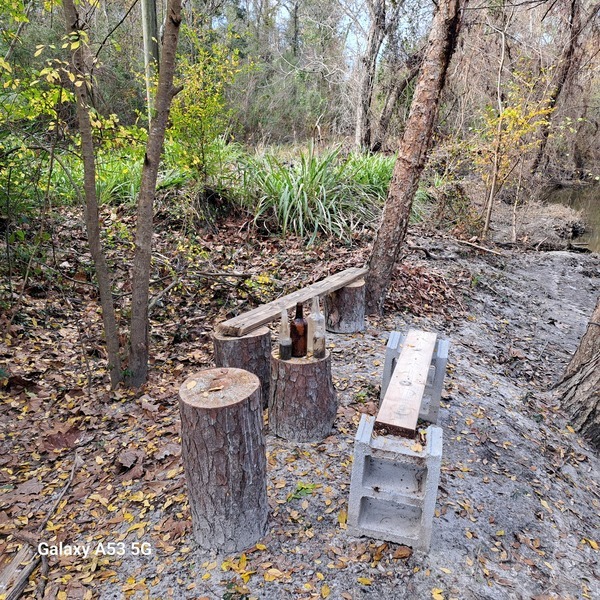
303, 405
345, 309
224, 458
251, 352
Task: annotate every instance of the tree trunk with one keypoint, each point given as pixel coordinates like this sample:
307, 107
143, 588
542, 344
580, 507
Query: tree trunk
303, 404
92, 221
251, 352
138, 353
224, 456
375, 38
579, 390
413, 64
151, 57
345, 309
565, 68
413, 150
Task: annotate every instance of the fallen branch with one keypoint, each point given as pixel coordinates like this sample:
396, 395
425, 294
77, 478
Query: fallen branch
483, 248
14, 577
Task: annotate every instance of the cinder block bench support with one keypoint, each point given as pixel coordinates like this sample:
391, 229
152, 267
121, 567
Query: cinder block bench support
394, 486
430, 407
223, 451
303, 403
251, 352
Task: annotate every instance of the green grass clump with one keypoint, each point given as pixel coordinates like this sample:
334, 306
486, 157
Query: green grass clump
321, 192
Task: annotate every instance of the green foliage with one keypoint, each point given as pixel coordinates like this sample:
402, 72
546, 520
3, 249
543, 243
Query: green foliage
319, 193
198, 115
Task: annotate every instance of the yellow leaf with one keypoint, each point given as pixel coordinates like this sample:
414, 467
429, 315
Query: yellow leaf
261, 547
61, 595
364, 581
416, 447
444, 570
99, 460
79, 83
172, 473
545, 505
272, 574
325, 591
437, 594
243, 562
342, 518
592, 543
39, 51
190, 384
500, 532
206, 576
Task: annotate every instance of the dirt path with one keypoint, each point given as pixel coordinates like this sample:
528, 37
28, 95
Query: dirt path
519, 499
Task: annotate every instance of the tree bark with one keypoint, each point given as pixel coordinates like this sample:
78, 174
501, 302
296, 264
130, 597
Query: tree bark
565, 68
303, 404
251, 352
92, 221
138, 352
224, 457
413, 64
579, 390
413, 151
151, 55
381, 24
345, 309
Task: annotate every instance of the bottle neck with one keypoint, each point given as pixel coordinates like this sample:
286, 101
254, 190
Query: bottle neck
299, 314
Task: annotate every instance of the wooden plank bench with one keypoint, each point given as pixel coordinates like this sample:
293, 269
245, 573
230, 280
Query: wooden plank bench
253, 319
401, 405
244, 342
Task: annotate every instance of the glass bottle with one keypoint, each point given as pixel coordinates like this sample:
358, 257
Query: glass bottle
299, 333
285, 341
315, 320
319, 336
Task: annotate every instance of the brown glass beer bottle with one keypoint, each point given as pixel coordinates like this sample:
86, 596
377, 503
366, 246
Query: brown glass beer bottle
299, 333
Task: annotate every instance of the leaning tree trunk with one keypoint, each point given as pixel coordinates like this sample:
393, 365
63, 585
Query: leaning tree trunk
579, 389
92, 219
138, 353
413, 150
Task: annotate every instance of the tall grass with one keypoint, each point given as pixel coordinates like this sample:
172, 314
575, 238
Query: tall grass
321, 192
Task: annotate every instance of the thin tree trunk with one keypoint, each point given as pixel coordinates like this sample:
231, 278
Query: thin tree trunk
138, 352
565, 67
92, 222
413, 150
413, 64
151, 57
498, 142
375, 38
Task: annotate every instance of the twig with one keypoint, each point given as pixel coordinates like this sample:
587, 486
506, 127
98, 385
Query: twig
478, 247
158, 296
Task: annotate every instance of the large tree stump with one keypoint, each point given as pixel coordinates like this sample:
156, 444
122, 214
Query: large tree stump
303, 405
224, 458
251, 352
345, 309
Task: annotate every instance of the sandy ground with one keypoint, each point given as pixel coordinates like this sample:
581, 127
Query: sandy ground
519, 498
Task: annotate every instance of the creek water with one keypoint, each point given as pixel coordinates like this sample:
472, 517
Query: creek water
584, 198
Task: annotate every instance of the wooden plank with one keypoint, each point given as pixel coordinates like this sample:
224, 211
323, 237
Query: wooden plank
399, 410
246, 322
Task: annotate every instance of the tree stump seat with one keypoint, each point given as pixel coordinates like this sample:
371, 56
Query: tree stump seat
244, 342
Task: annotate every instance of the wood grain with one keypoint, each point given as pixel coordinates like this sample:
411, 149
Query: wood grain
399, 410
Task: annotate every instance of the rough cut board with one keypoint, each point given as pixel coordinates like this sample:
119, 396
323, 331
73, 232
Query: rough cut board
246, 322
399, 410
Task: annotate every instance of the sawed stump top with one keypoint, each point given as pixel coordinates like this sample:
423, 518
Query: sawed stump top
218, 388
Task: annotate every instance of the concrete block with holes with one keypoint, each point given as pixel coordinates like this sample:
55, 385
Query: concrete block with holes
394, 486
430, 405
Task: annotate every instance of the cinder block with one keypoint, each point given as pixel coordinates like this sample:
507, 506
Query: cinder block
430, 406
394, 486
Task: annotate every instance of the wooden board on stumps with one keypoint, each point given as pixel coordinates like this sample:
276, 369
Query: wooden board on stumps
399, 411
345, 309
251, 352
224, 458
242, 324
303, 403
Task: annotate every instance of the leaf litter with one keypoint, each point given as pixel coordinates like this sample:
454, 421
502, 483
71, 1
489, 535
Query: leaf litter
518, 504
